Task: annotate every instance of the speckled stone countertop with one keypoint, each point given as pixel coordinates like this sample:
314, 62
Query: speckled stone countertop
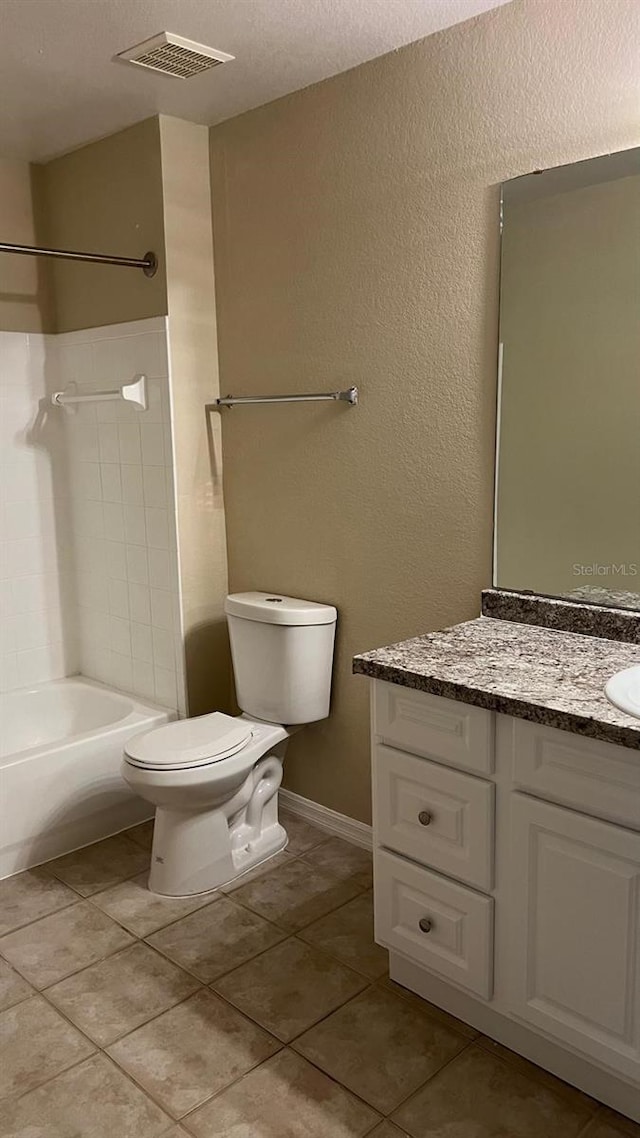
550, 677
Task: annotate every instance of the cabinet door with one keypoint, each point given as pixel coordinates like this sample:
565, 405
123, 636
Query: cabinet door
574, 944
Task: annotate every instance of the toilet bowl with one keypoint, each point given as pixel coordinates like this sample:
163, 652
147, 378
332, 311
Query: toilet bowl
214, 779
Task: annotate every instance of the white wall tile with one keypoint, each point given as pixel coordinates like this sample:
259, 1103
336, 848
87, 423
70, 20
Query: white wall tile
113, 521
116, 560
137, 564
165, 685
118, 598
157, 526
131, 484
129, 443
141, 644
143, 679
163, 609
122, 671
120, 636
163, 649
134, 525
111, 481
159, 568
139, 604
108, 442
87, 539
152, 436
155, 489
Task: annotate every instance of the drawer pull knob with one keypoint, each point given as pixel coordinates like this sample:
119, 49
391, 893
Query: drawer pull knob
424, 817
425, 925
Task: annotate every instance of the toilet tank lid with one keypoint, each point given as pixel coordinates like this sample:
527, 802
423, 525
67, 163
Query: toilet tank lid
274, 608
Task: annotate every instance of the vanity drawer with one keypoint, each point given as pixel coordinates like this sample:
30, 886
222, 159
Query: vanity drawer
596, 778
434, 922
443, 729
438, 816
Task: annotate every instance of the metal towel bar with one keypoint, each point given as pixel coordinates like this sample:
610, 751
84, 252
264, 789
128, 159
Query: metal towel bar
348, 396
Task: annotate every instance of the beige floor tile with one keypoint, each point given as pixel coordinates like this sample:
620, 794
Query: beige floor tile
380, 1047
387, 1129
259, 871
13, 989
92, 1100
302, 835
56, 946
35, 1044
343, 860
120, 993
608, 1124
532, 1071
431, 1009
289, 988
348, 934
295, 894
488, 1098
29, 896
142, 912
283, 1098
215, 940
98, 866
190, 1052
142, 835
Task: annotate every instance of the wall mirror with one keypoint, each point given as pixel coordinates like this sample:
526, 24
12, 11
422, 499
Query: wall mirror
567, 509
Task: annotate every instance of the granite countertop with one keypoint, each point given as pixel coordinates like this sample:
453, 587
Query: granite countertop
550, 677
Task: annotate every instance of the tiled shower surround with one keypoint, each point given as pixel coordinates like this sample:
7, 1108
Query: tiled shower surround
89, 556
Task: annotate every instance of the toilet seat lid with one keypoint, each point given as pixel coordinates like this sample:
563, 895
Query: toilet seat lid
189, 742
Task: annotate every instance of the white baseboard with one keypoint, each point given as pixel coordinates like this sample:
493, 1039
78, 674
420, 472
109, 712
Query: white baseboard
325, 819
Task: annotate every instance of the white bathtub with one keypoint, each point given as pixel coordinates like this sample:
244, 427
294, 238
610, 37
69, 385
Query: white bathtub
60, 785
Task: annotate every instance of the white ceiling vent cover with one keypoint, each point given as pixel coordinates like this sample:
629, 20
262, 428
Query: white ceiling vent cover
174, 55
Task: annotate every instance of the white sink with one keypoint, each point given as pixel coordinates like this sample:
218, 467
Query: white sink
623, 690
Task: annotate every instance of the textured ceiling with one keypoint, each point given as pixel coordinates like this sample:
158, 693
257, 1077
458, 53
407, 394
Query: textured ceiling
60, 88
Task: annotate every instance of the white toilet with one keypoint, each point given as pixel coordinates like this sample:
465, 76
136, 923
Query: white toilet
214, 779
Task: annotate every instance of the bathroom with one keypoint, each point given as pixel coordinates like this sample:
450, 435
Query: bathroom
319, 214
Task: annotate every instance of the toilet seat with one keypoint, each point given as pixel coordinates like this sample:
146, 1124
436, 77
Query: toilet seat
189, 743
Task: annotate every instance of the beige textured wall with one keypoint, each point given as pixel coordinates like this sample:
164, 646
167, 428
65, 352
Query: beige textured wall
25, 286
107, 198
569, 487
356, 241
194, 382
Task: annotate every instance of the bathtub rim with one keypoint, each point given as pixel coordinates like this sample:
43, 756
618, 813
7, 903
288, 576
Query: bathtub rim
139, 713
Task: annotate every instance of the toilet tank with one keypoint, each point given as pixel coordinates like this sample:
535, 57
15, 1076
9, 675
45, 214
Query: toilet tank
282, 651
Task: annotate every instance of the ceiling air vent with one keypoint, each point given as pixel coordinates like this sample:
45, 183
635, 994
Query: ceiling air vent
174, 55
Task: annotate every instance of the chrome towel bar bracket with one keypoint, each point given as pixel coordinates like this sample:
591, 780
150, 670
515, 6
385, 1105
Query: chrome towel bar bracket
135, 393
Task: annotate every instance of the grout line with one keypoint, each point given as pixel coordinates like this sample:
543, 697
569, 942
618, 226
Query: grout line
150, 1094
19, 928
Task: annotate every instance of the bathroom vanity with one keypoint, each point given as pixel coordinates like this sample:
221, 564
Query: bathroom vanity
506, 829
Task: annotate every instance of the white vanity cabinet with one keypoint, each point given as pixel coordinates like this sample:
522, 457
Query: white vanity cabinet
507, 881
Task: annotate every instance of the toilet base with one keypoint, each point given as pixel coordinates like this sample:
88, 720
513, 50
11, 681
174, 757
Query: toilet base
198, 851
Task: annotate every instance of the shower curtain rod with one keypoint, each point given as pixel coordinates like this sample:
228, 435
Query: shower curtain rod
148, 263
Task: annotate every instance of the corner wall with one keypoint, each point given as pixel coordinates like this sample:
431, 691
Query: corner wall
193, 355
106, 197
26, 302
356, 241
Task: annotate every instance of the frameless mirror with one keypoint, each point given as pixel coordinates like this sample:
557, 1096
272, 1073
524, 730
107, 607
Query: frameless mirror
567, 510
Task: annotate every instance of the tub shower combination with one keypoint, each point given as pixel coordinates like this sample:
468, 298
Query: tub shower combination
61, 746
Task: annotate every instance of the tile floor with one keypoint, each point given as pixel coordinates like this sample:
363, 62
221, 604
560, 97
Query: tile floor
262, 1011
